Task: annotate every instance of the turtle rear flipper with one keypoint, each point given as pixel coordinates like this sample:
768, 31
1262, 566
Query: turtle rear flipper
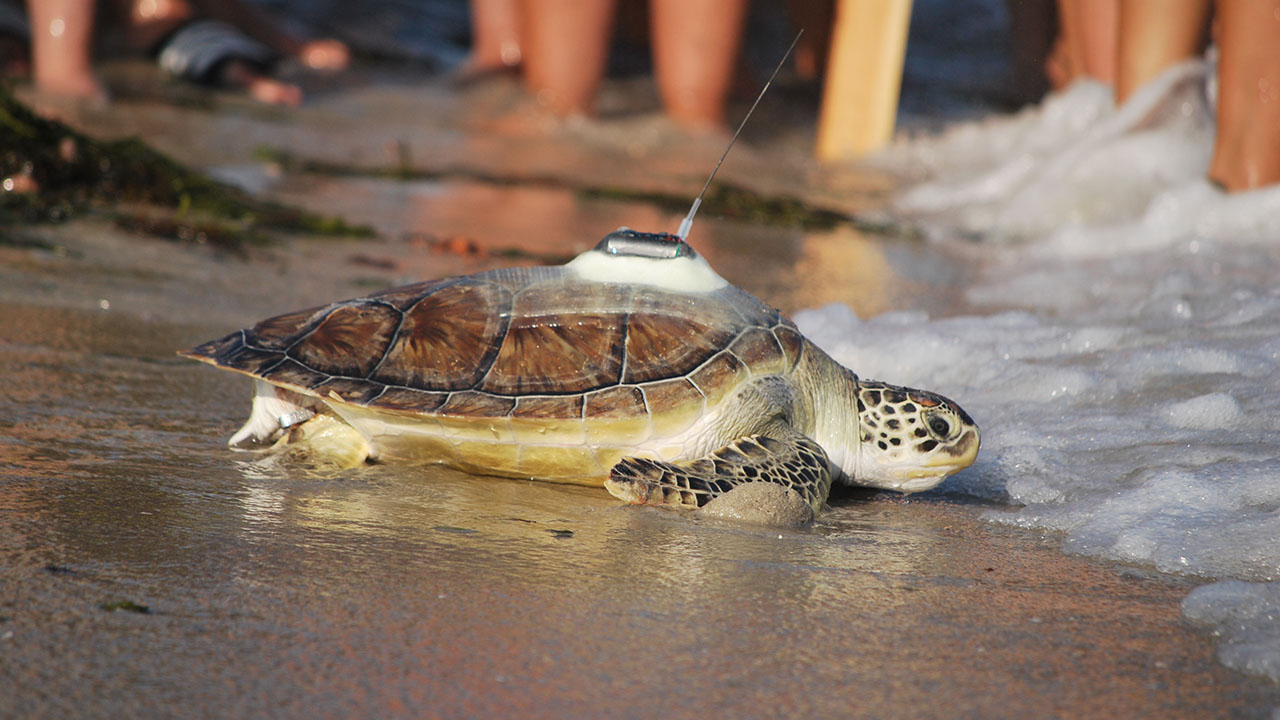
275, 410
778, 455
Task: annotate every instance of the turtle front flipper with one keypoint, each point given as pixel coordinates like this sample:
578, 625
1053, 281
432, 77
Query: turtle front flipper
778, 455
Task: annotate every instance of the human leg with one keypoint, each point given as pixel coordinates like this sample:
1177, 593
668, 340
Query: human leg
62, 48
1154, 35
695, 51
565, 51
1247, 148
495, 35
1089, 35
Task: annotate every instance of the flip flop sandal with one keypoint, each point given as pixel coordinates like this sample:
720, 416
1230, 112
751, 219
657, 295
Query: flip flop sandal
197, 51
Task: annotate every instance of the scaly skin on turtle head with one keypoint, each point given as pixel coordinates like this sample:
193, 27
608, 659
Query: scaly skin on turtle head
910, 440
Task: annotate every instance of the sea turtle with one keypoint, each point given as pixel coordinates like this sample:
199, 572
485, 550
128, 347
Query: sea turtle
634, 366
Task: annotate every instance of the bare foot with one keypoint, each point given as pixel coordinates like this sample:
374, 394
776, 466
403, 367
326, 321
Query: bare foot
475, 70
264, 89
273, 92
325, 54
77, 87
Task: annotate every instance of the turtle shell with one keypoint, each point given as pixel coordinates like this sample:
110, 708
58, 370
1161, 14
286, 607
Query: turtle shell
521, 342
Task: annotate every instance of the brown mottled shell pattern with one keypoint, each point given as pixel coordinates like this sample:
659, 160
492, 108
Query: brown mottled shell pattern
522, 343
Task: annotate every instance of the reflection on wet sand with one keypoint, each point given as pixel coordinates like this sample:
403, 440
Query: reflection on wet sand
513, 521
790, 268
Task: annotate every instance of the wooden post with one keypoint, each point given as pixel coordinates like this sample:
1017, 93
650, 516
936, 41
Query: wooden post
864, 76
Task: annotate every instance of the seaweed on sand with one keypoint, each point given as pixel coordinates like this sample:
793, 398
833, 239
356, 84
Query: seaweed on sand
49, 172
724, 199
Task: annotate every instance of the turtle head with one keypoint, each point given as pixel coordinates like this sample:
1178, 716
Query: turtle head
910, 439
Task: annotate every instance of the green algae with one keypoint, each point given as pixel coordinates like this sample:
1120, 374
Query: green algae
65, 173
231, 237
732, 202
125, 606
724, 200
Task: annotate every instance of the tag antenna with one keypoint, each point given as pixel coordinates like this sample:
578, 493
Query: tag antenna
687, 223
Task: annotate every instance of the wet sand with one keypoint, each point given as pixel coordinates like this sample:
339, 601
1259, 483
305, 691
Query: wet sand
420, 592
150, 572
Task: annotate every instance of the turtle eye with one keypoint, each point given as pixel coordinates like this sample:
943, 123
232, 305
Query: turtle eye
940, 426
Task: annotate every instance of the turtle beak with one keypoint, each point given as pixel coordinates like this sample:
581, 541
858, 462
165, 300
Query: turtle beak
927, 474
958, 456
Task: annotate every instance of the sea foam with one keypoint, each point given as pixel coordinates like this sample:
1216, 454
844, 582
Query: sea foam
1119, 345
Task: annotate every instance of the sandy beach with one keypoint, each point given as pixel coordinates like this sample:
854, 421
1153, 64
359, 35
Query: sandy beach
151, 572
